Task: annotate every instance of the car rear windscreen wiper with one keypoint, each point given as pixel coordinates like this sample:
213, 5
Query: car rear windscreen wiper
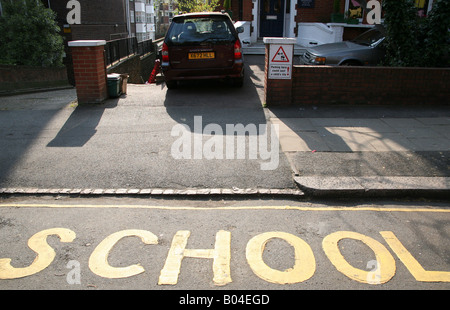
215, 40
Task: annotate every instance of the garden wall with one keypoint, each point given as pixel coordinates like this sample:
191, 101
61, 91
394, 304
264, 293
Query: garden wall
16, 79
365, 85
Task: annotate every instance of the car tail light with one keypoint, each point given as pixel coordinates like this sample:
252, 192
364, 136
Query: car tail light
165, 53
237, 50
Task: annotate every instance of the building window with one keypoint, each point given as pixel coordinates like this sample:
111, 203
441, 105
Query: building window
354, 8
139, 36
140, 17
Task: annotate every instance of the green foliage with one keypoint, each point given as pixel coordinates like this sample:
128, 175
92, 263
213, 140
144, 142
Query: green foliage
188, 6
227, 4
29, 35
437, 35
413, 41
336, 6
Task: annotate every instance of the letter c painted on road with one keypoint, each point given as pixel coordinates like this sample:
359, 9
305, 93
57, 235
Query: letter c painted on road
98, 261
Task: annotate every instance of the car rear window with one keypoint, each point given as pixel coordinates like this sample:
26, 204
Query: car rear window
198, 29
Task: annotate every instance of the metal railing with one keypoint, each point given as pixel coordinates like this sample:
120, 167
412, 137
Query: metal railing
145, 47
115, 50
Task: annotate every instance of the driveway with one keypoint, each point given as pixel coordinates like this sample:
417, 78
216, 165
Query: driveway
130, 142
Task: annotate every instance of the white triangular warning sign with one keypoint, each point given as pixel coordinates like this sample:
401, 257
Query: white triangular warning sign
280, 56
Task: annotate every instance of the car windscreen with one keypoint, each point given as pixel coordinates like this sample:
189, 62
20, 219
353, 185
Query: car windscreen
368, 38
196, 30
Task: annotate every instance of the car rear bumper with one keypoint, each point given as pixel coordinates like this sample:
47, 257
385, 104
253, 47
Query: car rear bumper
172, 74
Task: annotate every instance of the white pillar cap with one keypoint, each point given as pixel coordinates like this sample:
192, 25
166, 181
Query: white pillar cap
80, 43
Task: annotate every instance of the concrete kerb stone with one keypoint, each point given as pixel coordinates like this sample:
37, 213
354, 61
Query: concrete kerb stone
308, 186
374, 186
247, 192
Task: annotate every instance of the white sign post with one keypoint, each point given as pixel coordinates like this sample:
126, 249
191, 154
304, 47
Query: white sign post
281, 52
278, 71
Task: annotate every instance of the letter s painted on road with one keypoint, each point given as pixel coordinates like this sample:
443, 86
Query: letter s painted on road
45, 254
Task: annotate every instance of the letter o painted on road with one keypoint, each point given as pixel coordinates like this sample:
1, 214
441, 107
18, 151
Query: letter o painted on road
386, 263
304, 266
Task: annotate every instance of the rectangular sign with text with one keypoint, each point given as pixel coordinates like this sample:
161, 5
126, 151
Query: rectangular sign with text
280, 61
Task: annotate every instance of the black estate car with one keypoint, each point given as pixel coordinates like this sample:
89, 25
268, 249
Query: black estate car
202, 46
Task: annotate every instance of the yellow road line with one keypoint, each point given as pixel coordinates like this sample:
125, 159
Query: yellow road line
89, 206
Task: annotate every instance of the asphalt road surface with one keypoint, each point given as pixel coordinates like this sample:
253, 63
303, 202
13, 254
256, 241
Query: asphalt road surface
222, 244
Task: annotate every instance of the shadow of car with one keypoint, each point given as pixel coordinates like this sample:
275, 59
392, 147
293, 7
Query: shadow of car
368, 49
202, 46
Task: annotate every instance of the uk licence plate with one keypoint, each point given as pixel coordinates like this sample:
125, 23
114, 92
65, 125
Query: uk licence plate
201, 55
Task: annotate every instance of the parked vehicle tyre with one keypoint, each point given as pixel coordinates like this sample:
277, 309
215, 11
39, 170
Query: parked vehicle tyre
172, 84
238, 82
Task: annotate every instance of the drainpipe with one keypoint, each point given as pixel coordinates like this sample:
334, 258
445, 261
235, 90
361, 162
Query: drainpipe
127, 8
241, 9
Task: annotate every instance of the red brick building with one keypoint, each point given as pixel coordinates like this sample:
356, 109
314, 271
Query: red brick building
307, 20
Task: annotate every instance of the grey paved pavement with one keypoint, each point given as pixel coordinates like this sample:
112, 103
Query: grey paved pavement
367, 150
48, 142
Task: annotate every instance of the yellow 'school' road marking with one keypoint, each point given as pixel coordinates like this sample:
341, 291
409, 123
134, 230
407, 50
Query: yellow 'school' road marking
303, 269
87, 206
98, 262
44, 254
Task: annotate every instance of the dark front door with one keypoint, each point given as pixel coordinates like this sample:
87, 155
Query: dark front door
271, 18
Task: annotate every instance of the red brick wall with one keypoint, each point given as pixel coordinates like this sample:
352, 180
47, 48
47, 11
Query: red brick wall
100, 19
90, 73
98, 32
370, 85
276, 92
18, 78
247, 6
25, 74
320, 13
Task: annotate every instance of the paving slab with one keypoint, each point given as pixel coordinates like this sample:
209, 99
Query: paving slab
376, 186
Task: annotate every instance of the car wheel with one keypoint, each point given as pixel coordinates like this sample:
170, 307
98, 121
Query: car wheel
238, 82
171, 84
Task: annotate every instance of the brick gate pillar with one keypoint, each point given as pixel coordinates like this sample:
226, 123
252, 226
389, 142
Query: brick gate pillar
89, 70
278, 71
